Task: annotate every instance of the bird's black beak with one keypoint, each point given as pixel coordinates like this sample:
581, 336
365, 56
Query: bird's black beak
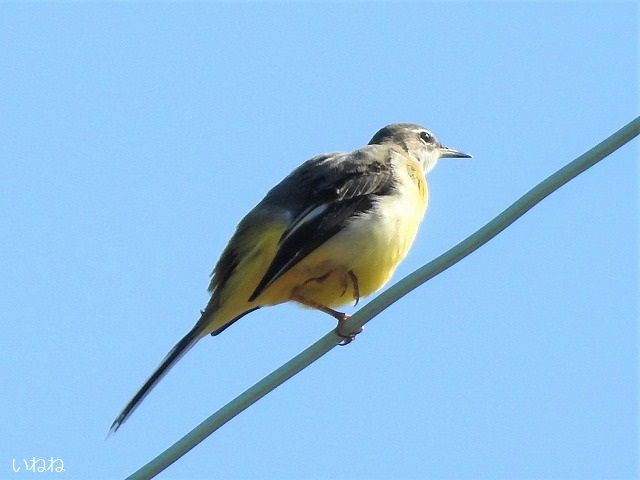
446, 152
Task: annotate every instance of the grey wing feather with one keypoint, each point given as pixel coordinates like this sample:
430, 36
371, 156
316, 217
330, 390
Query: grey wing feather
327, 191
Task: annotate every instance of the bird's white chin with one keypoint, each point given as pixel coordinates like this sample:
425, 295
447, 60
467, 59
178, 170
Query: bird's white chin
429, 161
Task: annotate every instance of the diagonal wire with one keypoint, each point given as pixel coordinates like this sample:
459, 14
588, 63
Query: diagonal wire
381, 302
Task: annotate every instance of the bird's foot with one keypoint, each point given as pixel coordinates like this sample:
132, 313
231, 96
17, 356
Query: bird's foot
347, 337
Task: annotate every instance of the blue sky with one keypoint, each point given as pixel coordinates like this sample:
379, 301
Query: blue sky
133, 137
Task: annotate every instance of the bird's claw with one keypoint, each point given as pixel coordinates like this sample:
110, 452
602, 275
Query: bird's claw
348, 337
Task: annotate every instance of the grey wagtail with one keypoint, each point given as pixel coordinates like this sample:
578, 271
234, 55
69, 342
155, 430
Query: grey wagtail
332, 231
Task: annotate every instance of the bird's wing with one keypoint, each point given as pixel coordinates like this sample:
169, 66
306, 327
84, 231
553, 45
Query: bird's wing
276, 206
326, 192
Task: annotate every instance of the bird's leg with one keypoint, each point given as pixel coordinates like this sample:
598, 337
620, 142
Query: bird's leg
350, 276
339, 316
356, 289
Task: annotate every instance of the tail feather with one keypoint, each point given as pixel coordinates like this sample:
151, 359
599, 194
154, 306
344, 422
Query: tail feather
176, 353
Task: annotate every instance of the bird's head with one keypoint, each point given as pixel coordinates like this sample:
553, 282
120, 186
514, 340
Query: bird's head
418, 142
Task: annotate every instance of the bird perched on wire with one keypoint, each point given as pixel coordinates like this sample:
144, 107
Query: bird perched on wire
332, 231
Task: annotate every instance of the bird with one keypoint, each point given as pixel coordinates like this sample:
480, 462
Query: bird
334, 230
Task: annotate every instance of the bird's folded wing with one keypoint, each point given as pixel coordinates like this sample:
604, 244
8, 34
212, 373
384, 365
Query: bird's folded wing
325, 192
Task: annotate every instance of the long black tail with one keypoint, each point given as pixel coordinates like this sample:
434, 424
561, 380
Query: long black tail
176, 353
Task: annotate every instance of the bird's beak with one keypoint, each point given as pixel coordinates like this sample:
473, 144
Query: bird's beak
446, 152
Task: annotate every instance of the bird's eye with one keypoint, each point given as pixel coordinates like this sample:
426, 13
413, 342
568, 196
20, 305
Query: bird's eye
426, 137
